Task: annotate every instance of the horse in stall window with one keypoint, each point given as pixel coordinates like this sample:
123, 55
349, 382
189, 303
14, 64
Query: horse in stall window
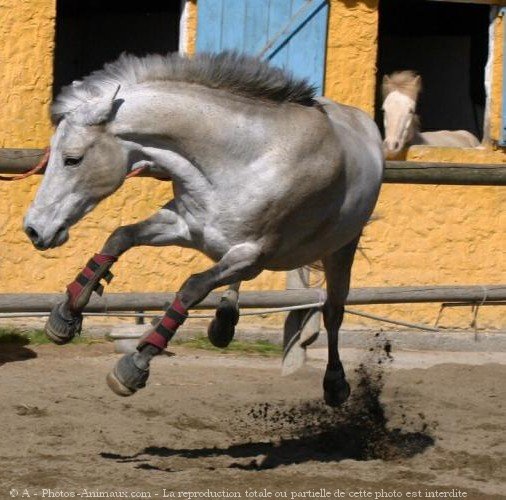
402, 125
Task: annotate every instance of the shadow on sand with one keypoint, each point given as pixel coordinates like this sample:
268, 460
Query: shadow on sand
14, 350
305, 432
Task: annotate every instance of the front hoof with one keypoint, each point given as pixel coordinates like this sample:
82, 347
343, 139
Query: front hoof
221, 330
126, 378
336, 389
61, 329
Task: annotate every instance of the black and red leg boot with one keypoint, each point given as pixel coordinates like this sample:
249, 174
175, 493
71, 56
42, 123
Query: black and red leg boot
132, 370
65, 320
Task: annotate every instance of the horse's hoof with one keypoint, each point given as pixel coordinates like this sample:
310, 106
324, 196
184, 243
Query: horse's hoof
126, 378
221, 330
337, 396
61, 329
336, 389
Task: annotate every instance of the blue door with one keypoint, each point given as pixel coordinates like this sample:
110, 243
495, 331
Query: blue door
290, 33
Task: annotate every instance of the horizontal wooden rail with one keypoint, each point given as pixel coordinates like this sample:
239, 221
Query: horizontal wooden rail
19, 161
115, 302
462, 174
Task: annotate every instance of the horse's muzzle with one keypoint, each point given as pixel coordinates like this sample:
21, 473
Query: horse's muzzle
43, 239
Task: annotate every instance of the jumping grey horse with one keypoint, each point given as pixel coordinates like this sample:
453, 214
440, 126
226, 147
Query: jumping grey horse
402, 125
265, 176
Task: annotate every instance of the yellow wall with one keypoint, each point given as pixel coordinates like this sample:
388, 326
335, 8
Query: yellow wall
350, 71
425, 234
191, 26
26, 62
498, 73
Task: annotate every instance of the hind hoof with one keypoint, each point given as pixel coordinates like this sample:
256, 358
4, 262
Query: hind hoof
61, 329
221, 330
336, 389
126, 378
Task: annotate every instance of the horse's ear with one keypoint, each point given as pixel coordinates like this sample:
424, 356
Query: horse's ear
418, 83
385, 86
96, 111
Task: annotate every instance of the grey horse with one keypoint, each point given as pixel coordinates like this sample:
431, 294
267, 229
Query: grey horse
265, 176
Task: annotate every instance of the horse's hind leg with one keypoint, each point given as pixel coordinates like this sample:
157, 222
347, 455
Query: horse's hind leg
337, 273
240, 263
221, 330
163, 228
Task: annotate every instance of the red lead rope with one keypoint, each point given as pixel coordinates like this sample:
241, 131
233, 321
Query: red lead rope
139, 170
136, 171
40, 166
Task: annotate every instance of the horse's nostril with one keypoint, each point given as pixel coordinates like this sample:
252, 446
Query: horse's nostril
396, 145
32, 234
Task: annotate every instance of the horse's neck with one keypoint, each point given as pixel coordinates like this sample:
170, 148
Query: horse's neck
414, 135
197, 122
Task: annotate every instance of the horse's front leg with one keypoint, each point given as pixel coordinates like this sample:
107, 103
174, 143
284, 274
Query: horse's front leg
164, 228
241, 262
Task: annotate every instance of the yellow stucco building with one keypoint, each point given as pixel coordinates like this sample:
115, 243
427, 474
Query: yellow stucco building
425, 235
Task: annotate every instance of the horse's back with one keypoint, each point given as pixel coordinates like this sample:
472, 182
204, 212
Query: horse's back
338, 212
360, 141
354, 123
450, 138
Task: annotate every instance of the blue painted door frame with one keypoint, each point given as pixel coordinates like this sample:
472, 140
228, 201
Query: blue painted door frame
290, 33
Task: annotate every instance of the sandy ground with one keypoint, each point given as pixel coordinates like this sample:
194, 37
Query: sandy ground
221, 423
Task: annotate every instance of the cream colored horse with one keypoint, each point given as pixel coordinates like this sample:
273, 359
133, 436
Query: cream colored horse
402, 125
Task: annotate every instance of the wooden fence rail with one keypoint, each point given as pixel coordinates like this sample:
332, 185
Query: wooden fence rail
19, 161
116, 302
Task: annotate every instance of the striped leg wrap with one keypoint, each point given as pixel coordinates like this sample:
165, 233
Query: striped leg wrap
88, 281
173, 318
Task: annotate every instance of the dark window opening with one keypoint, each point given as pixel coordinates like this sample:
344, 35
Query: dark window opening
90, 33
447, 44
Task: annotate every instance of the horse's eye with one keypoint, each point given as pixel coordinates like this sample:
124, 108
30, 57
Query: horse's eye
71, 162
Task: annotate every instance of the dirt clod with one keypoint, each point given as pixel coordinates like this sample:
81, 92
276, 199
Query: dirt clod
358, 430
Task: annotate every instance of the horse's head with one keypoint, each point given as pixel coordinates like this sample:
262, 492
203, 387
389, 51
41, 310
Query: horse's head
86, 164
399, 108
